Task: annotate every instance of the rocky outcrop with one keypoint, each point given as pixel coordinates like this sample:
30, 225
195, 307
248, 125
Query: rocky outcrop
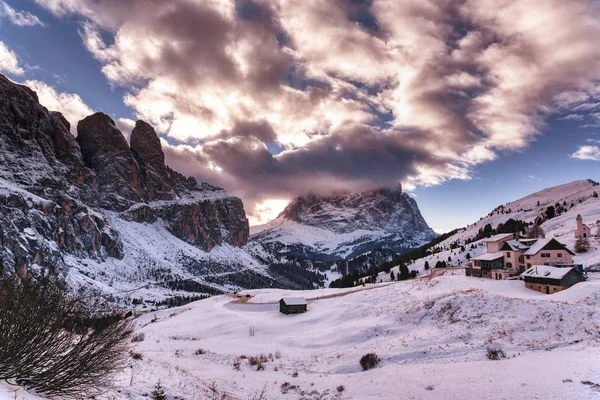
58, 193
145, 145
107, 153
347, 225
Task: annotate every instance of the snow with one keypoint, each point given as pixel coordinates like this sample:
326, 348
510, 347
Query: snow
489, 256
498, 237
544, 271
294, 301
426, 333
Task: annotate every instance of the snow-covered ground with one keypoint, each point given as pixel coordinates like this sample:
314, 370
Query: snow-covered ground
431, 336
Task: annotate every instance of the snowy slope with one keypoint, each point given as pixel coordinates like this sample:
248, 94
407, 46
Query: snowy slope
431, 337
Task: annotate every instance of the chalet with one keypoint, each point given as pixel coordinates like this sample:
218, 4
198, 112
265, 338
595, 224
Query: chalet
548, 279
481, 266
495, 243
292, 305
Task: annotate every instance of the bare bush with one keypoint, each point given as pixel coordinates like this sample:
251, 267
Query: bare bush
138, 337
57, 343
495, 354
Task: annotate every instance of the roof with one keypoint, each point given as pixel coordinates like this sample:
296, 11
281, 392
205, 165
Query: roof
541, 244
498, 237
516, 245
489, 256
545, 271
294, 301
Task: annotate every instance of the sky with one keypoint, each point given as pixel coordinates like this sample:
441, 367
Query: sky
466, 103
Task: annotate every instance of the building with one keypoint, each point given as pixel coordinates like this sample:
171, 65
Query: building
292, 305
482, 266
495, 243
583, 231
548, 279
510, 257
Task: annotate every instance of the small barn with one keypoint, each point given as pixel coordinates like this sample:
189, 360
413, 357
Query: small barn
547, 279
292, 305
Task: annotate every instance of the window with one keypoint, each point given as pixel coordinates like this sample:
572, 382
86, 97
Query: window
528, 257
559, 255
543, 255
508, 254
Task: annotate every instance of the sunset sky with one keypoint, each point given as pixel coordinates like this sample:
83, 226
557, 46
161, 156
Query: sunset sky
468, 104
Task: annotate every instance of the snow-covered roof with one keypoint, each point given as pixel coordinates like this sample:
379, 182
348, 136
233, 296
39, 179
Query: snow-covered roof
517, 245
540, 244
545, 271
294, 301
489, 256
498, 237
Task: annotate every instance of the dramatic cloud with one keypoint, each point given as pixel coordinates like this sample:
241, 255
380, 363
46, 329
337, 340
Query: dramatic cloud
276, 98
8, 61
69, 104
22, 18
587, 153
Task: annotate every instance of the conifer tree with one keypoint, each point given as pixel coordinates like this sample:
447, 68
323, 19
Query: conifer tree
158, 393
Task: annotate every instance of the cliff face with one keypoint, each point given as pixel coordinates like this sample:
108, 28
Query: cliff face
58, 193
346, 225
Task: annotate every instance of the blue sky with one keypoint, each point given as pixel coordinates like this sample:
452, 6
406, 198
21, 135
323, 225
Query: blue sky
56, 54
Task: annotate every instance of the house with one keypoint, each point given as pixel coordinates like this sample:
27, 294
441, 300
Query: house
548, 279
495, 243
514, 256
547, 252
583, 231
481, 266
292, 305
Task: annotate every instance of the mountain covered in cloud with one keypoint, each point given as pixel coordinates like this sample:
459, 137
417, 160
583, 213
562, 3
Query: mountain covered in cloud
346, 225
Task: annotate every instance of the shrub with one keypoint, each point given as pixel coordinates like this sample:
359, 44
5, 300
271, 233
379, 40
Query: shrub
138, 337
158, 393
369, 361
340, 388
237, 364
495, 353
136, 356
199, 352
295, 374
58, 343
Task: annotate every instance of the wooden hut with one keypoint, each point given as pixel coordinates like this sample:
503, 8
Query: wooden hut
292, 305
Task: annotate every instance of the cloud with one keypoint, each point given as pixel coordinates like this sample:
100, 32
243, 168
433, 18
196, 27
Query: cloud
69, 104
125, 125
271, 99
8, 61
20, 18
587, 153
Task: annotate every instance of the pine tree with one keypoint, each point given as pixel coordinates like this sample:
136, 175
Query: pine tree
158, 393
426, 265
582, 245
392, 277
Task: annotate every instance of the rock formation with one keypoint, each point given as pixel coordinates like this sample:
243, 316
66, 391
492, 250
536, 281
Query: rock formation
55, 190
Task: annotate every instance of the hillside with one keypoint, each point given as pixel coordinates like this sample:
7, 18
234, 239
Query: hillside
578, 193
431, 337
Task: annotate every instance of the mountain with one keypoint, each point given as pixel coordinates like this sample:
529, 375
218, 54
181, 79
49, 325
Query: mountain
109, 214
344, 226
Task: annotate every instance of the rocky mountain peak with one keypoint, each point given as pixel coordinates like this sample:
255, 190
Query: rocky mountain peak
106, 151
347, 224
